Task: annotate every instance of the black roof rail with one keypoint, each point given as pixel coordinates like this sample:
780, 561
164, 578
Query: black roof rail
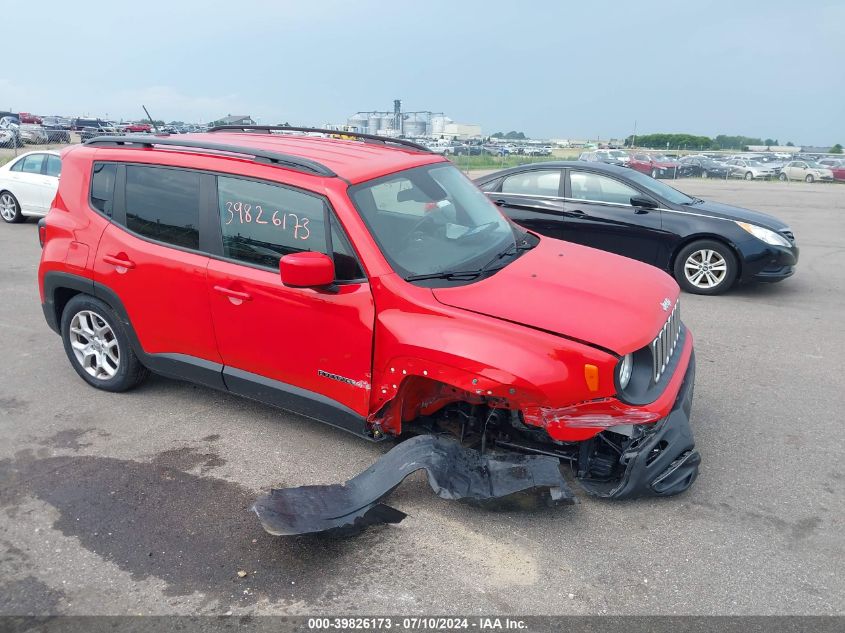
385, 140
259, 155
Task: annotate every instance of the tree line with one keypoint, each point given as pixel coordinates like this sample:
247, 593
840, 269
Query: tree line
692, 141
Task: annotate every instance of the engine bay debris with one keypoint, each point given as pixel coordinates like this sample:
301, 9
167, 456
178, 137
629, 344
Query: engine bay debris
454, 472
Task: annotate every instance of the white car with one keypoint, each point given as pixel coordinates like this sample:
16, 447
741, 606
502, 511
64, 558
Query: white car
28, 185
805, 170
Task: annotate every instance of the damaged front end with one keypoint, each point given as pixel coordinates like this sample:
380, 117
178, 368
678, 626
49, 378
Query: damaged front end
472, 451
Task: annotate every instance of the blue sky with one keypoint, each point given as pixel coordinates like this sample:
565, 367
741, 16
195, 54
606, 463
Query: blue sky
767, 68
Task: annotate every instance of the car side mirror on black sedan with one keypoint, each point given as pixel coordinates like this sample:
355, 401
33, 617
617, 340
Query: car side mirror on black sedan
641, 202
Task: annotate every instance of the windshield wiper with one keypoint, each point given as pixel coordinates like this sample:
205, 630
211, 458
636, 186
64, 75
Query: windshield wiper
513, 249
446, 274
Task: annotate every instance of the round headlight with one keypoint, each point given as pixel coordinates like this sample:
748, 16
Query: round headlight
623, 370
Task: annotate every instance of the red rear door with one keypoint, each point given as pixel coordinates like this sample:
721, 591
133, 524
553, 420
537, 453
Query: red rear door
149, 259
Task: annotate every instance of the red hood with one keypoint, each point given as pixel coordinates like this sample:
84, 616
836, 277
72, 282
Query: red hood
575, 291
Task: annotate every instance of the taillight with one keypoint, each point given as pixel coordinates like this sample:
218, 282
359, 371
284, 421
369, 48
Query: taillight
42, 231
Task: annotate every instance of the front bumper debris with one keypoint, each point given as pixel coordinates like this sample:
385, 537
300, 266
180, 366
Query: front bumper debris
663, 461
454, 472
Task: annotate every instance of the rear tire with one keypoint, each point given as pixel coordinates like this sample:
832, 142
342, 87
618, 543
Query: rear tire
98, 347
10, 208
706, 267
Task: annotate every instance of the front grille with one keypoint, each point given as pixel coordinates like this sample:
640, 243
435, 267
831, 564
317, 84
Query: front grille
663, 346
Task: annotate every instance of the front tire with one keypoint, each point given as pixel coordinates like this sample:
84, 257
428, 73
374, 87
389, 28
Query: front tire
782, 177
98, 347
704, 174
10, 209
809, 178
706, 267
654, 173
749, 175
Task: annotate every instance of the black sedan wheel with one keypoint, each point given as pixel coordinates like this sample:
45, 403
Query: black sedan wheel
706, 267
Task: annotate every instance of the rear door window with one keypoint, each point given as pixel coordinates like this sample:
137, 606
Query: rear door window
33, 164
163, 204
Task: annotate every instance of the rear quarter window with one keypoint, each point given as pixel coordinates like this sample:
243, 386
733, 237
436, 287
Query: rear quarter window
102, 187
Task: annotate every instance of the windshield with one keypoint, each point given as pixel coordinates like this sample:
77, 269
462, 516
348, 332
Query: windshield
660, 158
432, 219
658, 187
618, 154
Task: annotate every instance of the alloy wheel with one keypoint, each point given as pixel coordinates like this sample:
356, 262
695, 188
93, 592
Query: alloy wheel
94, 345
8, 207
705, 269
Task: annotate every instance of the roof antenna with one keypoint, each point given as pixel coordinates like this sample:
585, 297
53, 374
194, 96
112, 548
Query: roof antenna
155, 127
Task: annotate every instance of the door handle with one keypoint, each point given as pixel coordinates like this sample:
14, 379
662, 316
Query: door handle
499, 203
577, 213
118, 261
233, 294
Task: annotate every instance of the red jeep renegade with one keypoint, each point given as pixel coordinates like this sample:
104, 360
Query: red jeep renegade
365, 282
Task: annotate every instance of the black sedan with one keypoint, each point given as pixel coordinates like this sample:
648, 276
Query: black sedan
707, 246
703, 167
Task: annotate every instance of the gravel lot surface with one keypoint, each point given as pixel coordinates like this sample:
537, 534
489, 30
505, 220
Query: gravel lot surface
138, 503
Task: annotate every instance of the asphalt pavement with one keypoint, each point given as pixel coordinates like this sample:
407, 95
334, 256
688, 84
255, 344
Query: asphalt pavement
138, 503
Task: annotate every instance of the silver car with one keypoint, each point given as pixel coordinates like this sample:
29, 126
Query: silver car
749, 169
33, 134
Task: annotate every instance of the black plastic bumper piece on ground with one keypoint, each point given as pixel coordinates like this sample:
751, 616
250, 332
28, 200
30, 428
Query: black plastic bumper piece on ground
665, 462
454, 472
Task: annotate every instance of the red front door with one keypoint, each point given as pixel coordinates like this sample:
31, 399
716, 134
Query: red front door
317, 340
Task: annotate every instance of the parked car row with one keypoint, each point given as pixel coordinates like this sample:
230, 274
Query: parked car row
18, 129
717, 165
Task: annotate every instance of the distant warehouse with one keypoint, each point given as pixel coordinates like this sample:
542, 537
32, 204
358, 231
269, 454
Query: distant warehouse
233, 119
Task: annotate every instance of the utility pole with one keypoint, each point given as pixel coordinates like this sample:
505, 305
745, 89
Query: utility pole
634, 138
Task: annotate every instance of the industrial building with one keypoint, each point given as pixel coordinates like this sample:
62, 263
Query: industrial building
415, 124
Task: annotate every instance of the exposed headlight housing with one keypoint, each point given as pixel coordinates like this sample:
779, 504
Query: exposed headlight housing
624, 369
765, 235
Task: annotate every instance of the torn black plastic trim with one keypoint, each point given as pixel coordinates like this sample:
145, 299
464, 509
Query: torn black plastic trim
454, 472
662, 462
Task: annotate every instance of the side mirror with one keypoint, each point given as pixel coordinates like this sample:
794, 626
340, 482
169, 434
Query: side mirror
307, 270
641, 202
